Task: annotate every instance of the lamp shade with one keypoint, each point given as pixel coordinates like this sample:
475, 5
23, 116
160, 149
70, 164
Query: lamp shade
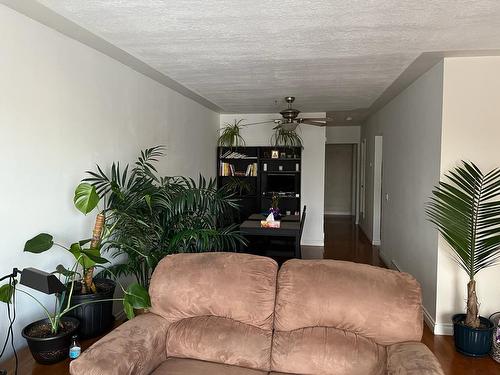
42, 281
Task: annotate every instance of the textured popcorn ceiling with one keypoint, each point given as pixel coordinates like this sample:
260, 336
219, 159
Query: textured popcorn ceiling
243, 55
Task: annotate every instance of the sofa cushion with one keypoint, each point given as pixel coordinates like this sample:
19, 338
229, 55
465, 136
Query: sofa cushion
380, 304
336, 317
222, 340
328, 351
231, 285
181, 366
220, 305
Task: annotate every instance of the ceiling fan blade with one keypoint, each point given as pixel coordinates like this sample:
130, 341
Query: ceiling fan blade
317, 119
315, 123
258, 123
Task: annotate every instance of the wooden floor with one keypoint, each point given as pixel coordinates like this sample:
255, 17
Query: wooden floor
345, 241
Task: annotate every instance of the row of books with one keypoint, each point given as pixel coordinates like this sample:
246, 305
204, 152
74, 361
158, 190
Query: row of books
236, 155
227, 169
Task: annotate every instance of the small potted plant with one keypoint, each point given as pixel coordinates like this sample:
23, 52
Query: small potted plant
230, 135
466, 211
283, 137
49, 339
274, 207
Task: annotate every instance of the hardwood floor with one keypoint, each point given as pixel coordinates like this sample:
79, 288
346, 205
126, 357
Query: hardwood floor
345, 241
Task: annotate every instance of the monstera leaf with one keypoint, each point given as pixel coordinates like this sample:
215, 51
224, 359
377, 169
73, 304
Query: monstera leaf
87, 257
86, 198
39, 243
136, 297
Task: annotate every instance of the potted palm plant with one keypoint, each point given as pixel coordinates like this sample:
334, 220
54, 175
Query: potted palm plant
151, 216
466, 211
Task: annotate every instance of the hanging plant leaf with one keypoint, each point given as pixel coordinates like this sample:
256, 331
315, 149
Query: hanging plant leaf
40, 243
285, 138
86, 198
230, 135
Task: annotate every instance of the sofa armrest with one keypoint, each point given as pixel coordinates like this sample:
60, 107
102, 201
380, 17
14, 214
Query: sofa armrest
412, 358
135, 347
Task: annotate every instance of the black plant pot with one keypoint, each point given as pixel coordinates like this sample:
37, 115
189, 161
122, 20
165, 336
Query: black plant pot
48, 350
474, 342
97, 317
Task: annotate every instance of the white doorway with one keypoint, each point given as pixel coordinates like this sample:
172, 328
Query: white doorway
341, 179
377, 189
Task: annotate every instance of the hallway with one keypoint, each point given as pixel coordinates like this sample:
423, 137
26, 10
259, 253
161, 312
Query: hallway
344, 240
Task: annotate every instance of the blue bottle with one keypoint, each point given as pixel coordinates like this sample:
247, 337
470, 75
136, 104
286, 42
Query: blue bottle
74, 349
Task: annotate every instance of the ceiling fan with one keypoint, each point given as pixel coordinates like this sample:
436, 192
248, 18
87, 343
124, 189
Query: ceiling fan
290, 119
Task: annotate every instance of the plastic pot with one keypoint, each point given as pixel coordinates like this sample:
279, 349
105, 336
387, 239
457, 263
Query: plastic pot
48, 350
97, 317
473, 342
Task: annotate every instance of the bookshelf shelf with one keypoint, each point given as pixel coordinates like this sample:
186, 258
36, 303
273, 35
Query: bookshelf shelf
239, 159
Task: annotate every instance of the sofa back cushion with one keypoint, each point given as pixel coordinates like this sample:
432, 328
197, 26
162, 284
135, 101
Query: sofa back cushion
220, 306
335, 317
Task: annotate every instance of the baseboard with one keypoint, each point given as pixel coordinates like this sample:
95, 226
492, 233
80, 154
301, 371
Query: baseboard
445, 329
311, 242
339, 213
386, 260
438, 329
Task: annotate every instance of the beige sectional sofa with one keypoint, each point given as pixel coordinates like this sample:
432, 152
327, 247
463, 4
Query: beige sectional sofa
237, 314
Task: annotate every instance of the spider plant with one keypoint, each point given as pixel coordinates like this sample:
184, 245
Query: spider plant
285, 138
230, 135
466, 211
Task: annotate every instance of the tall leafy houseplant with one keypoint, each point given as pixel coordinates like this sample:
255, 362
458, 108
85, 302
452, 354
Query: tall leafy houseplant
150, 216
466, 210
230, 135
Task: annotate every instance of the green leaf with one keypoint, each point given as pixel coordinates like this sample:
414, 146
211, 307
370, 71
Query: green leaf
137, 296
86, 198
39, 243
467, 214
64, 271
6, 293
86, 257
94, 255
129, 310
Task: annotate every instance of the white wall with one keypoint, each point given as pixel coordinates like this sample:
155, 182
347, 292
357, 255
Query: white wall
471, 131
63, 108
339, 179
343, 134
411, 128
313, 165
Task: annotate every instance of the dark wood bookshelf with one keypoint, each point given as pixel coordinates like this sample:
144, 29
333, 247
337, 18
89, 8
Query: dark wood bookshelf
257, 200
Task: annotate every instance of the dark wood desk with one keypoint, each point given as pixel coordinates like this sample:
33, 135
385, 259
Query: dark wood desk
283, 218
290, 229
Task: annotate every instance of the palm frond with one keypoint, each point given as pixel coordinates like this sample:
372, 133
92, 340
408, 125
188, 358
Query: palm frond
466, 212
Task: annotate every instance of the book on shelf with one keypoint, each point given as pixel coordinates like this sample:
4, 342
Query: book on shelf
251, 170
227, 169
